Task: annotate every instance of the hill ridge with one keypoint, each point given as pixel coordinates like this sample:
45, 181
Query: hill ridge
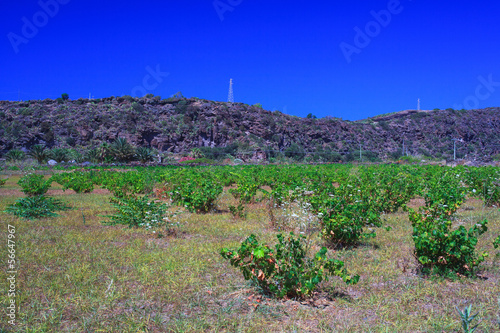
180, 124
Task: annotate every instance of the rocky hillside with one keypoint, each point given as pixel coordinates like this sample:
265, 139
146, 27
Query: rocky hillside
180, 124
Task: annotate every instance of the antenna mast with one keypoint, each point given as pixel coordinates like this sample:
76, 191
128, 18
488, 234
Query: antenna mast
418, 105
230, 97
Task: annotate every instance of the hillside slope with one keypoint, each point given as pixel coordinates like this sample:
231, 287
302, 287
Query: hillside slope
179, 124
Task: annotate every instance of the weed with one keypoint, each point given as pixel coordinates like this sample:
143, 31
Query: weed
36, 207
466, 318
238, 211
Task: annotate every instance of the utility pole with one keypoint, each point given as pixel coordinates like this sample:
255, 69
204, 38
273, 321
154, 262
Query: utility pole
230, 97
455, 147
403, 151
418, 105
360, 157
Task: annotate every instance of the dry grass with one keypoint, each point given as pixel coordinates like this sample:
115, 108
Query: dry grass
77, 277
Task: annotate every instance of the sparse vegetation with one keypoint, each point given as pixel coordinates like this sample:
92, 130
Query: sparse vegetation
215, 127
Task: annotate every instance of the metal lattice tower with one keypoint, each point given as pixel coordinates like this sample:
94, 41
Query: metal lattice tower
230, 97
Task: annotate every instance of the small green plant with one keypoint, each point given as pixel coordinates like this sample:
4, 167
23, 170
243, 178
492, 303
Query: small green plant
496, 242
238, 211
285, 271
2, 182
36, 207
466, 318
33, 184
139, 212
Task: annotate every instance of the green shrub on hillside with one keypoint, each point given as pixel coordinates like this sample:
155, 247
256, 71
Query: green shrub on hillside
15, 155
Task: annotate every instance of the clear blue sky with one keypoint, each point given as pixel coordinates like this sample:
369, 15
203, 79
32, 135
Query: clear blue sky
297, 57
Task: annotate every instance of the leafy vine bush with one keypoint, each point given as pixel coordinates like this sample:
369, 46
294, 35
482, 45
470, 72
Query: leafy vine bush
346, 226
196, 192
285, 271
122, 184
34, 184
345, 214
245, 191
140, 212
484, 183
442, 250
35, 207
445, 195
78, 181
491, 192
393, 191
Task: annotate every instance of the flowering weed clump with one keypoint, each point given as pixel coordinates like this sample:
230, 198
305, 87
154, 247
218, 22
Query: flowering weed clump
140, 212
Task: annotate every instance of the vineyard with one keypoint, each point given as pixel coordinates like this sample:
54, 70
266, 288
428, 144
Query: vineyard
294, 248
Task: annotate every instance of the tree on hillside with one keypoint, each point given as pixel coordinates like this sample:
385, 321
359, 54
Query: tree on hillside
14, 155
295, 151
144, 154
122, 150
39, 153
59, 155
104, 152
